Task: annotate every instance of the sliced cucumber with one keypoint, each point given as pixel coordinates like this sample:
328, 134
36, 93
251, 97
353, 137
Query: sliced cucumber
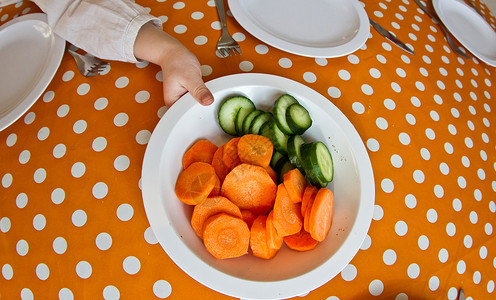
298, 118
249, 119
276, 156
273, 132
232, 111
280, 107
257, 123
282, 167
294, 154
317, 162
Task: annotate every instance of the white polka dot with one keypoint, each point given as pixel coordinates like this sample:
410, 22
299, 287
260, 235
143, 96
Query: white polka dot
142, 96
66, 294
387, 185
24, 157
42, 271
39, 222
376, 287
99, 144
349, 273
451, 229
22, 247
352, 58
29, 118
7, 272
410, 201
423, 242
344, 75
462, 182
309, 77
80, 126
200, 40
367, 242
83, 89
180, 29
461, 267
59, 151
131, 265
48, 96
285, 63
179, 5
490, 286
401, 228
206, 70
150, 237
162, 289
396, 161
5, 224
367, 89
404, 138
197, 15
434, 283
378, 212
358, 107
110, 292
432, 215
426, 155
443, 255
375, 73
373, 145
473, 217
121, 163
413, 271
438, 191
381, 123
103, 241
101, 103
483, 252
418, 176
100, 190
58, 196
334, 92
321, 61
68, 76
11, 140
143, 136
121, 119
59, 245
78, 169
21, 201
125, 212
488, 229
389, 257
39, 175
84, 269
79, 218
246, 66
43, 133
261, 49
410, 119
7, 180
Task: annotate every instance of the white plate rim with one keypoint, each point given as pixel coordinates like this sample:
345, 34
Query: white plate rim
469, 11
236, 8
207, 275
50, 68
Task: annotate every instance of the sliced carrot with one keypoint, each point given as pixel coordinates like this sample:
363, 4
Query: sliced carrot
216, 190
226, 236
248, 216
309, 204
195, 183
202, 150
301, 241
287, 217
250, 187
218, 163
258, 239
271, 173
211, 206
255, 149
320, 219
230, 156
308, 194
295, 184
274, 241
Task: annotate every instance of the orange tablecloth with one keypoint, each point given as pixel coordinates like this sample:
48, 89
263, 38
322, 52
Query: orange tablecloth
72, 222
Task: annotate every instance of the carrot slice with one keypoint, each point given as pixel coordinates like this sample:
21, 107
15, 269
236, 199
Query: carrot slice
320, 219
216, 190
230, 156
209, 207
195, 183
306, 217
258, 239
202, 150
250, 187
226, 236
274, 241
295, 184
271, 173
218, 163
287, 214
308, 194
301, 241
255, 149
248, 216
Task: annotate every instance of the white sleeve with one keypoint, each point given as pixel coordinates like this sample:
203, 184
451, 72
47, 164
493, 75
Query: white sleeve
104, 28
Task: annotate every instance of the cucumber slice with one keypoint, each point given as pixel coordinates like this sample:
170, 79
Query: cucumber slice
258, 122
298, 118
317, 162
282, 167
280, 107
276, 156
249, 119
294, 154
273, 132
229, 111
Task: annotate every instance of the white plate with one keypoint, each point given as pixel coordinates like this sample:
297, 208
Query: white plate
468, 27
290, 273
313, 28
30, 54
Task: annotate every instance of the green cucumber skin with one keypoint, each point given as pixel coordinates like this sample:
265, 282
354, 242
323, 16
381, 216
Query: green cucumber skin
249, 119
311, 166
294, 151
228, 111
296, 124
258, 122
280, 107
279, 139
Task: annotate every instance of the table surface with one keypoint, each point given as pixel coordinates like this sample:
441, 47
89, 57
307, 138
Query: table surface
72, 222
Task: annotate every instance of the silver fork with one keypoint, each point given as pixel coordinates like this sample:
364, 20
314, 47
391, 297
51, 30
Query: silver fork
226, 44
450, 41
88, 65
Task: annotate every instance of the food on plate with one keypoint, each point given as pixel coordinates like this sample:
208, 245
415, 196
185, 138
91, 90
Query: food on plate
258, 239
202, 150
195, 183
301, 241
255, 149
211, 206
287, 217
226, 236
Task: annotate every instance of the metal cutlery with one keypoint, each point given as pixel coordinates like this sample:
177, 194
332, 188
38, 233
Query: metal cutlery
388, 35
226, 44
474, 7
88, 65
450, 41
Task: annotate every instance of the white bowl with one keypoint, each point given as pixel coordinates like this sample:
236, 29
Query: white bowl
290, 273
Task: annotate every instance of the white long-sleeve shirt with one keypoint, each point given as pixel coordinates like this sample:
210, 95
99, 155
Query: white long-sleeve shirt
104, 28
